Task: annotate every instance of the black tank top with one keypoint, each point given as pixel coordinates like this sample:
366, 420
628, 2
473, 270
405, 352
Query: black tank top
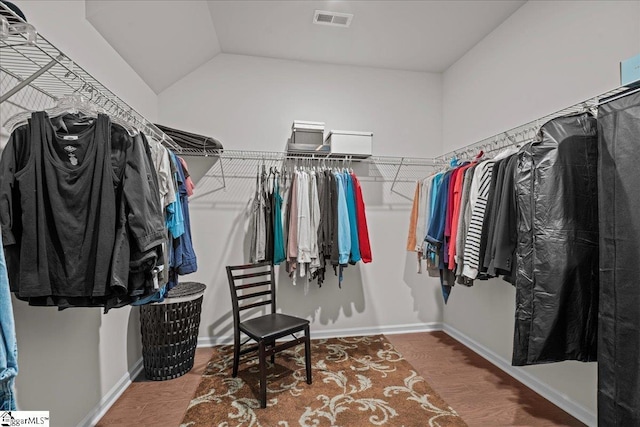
68, 210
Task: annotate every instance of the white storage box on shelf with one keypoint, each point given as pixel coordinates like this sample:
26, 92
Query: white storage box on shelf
321, 149
310, 134
350, 143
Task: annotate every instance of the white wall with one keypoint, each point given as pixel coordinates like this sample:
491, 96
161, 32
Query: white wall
546, 56
249, 103
69, 360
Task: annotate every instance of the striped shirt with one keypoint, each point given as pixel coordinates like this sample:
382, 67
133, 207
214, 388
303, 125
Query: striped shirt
478, 204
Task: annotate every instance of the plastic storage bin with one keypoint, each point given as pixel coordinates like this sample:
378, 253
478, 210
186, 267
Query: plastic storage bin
170, 332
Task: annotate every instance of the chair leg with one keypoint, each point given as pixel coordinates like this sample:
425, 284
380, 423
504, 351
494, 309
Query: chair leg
273, 355
263, 374
236, 354
307, 353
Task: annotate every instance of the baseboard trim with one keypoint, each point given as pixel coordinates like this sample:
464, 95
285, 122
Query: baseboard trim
112, 395
543, 389
344, 332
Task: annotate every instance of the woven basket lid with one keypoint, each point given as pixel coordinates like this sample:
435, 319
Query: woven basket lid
185, 289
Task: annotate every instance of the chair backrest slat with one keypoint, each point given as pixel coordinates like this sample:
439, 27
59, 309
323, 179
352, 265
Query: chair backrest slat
254, 295
250, 275
253, 285
255, 304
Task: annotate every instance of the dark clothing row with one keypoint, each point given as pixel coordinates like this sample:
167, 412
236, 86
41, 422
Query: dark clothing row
82, 222
469, 212
557, 251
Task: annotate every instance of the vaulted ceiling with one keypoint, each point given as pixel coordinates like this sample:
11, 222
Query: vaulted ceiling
165, 40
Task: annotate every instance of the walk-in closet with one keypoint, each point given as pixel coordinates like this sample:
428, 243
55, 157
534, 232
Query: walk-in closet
319, 213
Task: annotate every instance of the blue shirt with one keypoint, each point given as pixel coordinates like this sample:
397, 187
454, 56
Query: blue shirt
344, 229
438, 219
184, 257
175, 219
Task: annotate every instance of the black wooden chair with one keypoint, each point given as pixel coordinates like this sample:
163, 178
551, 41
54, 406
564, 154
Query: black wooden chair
255, 287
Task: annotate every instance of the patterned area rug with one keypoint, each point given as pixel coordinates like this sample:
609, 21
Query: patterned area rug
357, 381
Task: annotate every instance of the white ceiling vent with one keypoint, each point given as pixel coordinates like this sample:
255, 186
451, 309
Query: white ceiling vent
336, 19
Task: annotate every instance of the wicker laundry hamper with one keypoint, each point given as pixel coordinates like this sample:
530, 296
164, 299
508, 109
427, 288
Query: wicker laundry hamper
170, 332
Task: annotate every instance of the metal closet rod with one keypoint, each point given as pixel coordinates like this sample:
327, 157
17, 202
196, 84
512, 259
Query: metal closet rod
283, 155
528, 131
240, 164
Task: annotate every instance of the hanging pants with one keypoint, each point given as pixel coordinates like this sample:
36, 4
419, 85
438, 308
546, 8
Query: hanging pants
619, 316
8, 345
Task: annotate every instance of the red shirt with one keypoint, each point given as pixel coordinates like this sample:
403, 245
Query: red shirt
363, 230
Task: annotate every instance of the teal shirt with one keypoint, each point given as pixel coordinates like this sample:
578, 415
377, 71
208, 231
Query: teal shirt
353, 223
278, 234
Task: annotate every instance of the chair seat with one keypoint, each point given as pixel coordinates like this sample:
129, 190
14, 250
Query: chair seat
272, 326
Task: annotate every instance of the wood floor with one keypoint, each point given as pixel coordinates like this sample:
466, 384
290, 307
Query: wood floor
482, 394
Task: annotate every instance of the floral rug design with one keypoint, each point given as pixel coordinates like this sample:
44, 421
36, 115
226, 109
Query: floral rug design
357, 381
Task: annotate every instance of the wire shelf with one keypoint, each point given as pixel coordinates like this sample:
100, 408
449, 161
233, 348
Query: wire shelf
34, 74
234, 171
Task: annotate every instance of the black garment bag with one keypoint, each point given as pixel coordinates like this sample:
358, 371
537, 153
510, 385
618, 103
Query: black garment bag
619, 317
557, 251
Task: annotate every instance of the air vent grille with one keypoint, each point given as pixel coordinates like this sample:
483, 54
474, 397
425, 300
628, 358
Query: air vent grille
324, 18
336, 19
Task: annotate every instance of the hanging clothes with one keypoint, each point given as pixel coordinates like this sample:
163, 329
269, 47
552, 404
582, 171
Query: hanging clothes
505, 237
490, 222
436, 233
430, 250
557, 253
424, 215
314, 211
335, 250
322, 227
619, 316
267, 196
304, 222
60, 254
344, 228
481, 193
363, 229
184, 257
455, 218
292, 241
257, 225
354, 255
188, 182
325, 221
464, 220
80, 211
175, 217
413, 220
8, 344
450, 209
279, 254
161, 163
